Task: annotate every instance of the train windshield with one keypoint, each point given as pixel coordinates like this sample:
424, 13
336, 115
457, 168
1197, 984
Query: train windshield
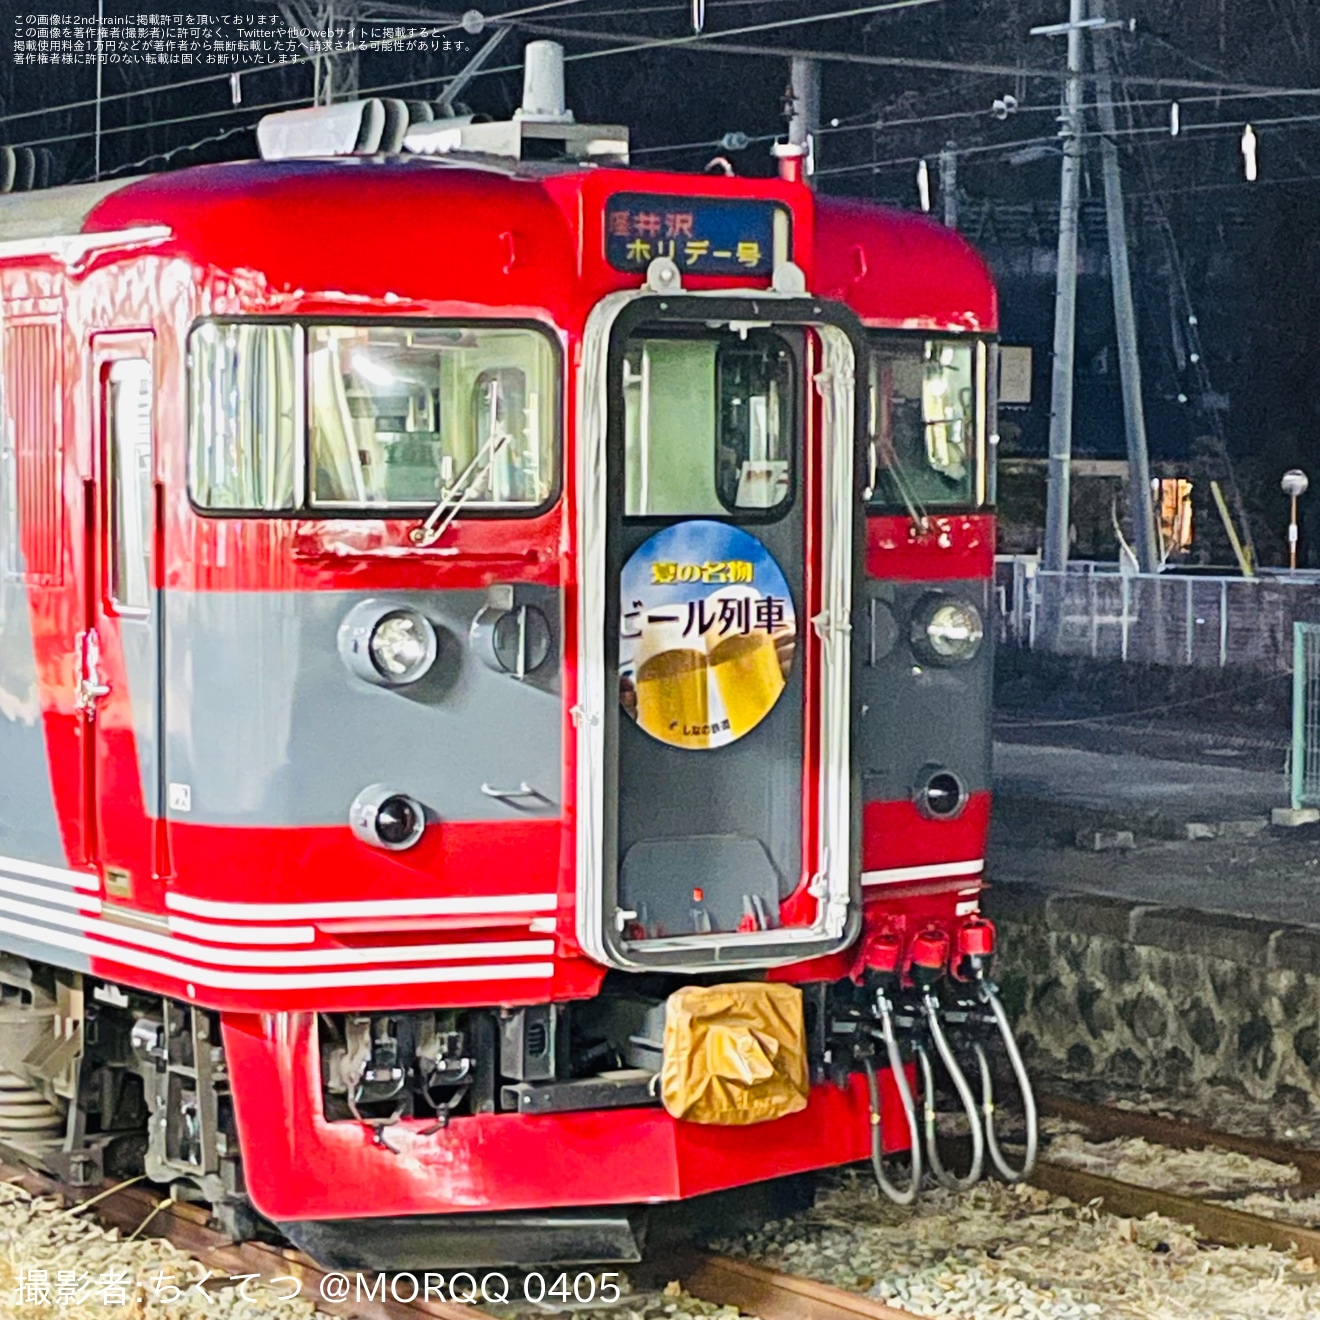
397, 415
926, 416
381, 416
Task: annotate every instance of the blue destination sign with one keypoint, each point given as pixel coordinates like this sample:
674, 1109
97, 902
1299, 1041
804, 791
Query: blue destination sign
702, 235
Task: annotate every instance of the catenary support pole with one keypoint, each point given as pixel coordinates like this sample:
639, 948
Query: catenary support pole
804, 126
100, 46
949, 183
1065, 305
1125, 321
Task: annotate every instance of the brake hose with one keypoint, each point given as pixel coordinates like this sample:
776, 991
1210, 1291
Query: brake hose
1006, 1170
899, 1195
965, 1097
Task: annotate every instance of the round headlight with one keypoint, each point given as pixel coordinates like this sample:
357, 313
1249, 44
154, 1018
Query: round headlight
387, 643
939, 793
386, 818
402, 646
398, 822
948, 630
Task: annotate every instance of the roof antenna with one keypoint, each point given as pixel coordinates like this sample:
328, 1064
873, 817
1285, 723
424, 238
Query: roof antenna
543, 84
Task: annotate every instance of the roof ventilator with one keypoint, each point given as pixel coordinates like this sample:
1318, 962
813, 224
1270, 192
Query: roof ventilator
24, 169
542, 129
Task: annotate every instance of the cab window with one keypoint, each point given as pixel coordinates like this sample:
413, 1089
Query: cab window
926, 414
371, 417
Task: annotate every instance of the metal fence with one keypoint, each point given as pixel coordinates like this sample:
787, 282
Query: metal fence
1166, 619
1306, 715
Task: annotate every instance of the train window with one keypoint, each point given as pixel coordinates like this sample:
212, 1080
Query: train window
927, 423
244, 405
409, 415
708, 424
9, 543
128, 398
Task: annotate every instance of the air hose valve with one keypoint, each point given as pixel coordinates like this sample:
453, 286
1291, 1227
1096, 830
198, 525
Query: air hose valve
975, 947
930, 957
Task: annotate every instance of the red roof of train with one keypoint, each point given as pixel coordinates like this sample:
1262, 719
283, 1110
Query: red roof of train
407, 226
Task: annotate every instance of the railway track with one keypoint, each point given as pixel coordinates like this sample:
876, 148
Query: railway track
754, 1289
134, 1208
1213, 1220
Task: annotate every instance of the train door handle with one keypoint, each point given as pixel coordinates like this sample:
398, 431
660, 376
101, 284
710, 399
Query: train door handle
90, 693
524, 790
91, 688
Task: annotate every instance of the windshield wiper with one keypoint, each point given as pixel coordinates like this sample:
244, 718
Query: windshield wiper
916, 510
470, 480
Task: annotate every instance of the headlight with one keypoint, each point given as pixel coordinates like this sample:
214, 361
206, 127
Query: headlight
939, 793
387, 644
947, 630
387, 819
401, 647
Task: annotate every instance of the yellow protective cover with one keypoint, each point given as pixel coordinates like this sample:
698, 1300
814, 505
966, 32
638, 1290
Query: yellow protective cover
734, 1054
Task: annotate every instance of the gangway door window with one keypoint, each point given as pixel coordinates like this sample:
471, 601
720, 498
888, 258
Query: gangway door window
708, 424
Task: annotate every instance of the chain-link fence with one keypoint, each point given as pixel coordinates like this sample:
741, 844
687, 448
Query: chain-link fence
1165, 619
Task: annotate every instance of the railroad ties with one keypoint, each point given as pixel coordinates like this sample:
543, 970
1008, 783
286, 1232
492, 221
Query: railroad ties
751, 1287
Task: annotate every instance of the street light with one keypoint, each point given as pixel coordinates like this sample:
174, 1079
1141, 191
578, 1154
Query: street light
1294, 484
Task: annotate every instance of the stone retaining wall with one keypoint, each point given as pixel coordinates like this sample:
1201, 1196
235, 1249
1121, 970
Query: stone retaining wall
1160, 997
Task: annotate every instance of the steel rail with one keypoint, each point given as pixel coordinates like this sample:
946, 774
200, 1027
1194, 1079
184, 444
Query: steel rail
759, 1291
1213, 1220
1107, 1122
754, 1289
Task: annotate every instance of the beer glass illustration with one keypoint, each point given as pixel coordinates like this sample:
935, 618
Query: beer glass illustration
745, 665
673, 698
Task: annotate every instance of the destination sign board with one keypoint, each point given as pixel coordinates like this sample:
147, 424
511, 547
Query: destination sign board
701, 235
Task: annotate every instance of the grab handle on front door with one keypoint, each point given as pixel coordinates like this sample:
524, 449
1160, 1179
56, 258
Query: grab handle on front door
91, 688
524, 790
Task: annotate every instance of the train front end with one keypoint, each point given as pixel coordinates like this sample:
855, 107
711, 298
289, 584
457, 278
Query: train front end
533, 763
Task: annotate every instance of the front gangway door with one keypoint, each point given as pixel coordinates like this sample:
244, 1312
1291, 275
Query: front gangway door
717, 534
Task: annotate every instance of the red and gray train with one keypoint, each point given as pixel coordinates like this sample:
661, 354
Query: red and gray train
452, 599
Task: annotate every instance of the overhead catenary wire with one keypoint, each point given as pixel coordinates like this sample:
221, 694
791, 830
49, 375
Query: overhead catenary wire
248, 71
988, 150
709, 42
1157, 133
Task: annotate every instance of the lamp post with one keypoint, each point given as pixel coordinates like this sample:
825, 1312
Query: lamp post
1294, 485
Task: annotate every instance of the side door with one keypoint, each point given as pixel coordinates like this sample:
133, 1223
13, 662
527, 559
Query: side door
120, 648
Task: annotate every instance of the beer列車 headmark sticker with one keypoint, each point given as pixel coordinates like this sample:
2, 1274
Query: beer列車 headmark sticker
706, 634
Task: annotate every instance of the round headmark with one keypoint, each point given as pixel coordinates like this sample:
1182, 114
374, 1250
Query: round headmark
706, 634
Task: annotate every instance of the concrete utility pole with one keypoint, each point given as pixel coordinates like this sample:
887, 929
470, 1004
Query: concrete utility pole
949, 183
1057, 503
1125, 321
804, 125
